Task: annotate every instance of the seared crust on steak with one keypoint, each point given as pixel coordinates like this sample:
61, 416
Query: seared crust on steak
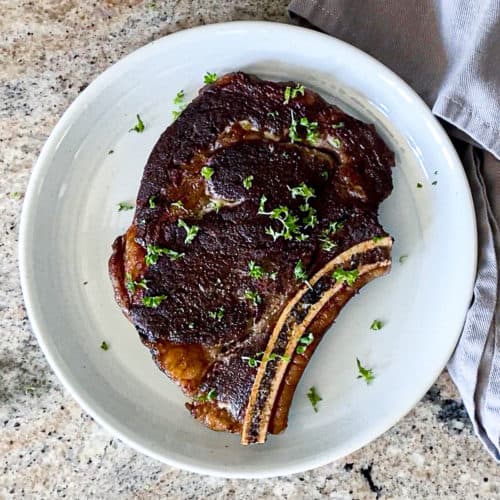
212, 317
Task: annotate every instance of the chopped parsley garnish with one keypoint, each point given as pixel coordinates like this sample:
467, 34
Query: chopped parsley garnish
376, 325
216, 205
255, 271
365, 373
311, 219
282, 214
273, 275
131, 285
252, 361
254, 297
376, 239
402, 258
337, 125
154, 252
191, 231
272, 114
302, 190
151, 202
218, 314
419, 185
178, 204
299, 271
153, 302
207, 172
178, 101
104, 345
304, 341
274, 356
179, 98
247, 182
292, 131
209, 396
291, 93
209, 78
139, 126
124, 205
344, 276
312, 132
314, 398
334, 142
324, 174
326, 243
434, 183
16, 195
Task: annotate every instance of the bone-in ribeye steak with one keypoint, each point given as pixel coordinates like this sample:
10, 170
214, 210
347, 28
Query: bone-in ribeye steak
256, 221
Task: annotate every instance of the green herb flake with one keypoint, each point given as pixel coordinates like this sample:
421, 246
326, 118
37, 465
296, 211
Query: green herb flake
177, 204
314, 398
419, 185
179, 98
207, 172
304, 341
292, 93
15, 195
252, 361
334, 142
139, 126
124, 205
254, 297
288, 94
302, 190
324, 174
272, 114
435, 172
131, 285
273, 275
218, 314
344, 276
104, 345
376, 239
191, 231
376, 325
209, 78
151, 202
327, 245
247, 182
110, 152
255, 271
365, 373
153, 302
434, 183
402, 258
154, 252
292, 130
208, 397
312, 133
299, 271
274, 356
338, 125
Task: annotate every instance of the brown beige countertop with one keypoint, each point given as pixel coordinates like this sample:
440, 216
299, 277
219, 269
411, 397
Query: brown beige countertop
49, 448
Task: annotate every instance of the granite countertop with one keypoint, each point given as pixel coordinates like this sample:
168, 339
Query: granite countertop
49, 448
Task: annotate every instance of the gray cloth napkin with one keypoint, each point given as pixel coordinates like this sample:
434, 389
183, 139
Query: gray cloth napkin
449, 52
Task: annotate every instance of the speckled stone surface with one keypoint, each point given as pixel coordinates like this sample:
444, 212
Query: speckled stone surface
49, 448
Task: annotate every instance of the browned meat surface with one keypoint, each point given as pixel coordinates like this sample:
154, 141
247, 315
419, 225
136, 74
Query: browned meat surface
256, 220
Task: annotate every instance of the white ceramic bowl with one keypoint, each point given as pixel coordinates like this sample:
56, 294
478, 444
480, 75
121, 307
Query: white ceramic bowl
70, 218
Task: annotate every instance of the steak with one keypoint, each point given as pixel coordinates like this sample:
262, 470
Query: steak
255, 222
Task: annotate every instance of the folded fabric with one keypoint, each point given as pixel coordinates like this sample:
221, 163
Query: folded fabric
448, 51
